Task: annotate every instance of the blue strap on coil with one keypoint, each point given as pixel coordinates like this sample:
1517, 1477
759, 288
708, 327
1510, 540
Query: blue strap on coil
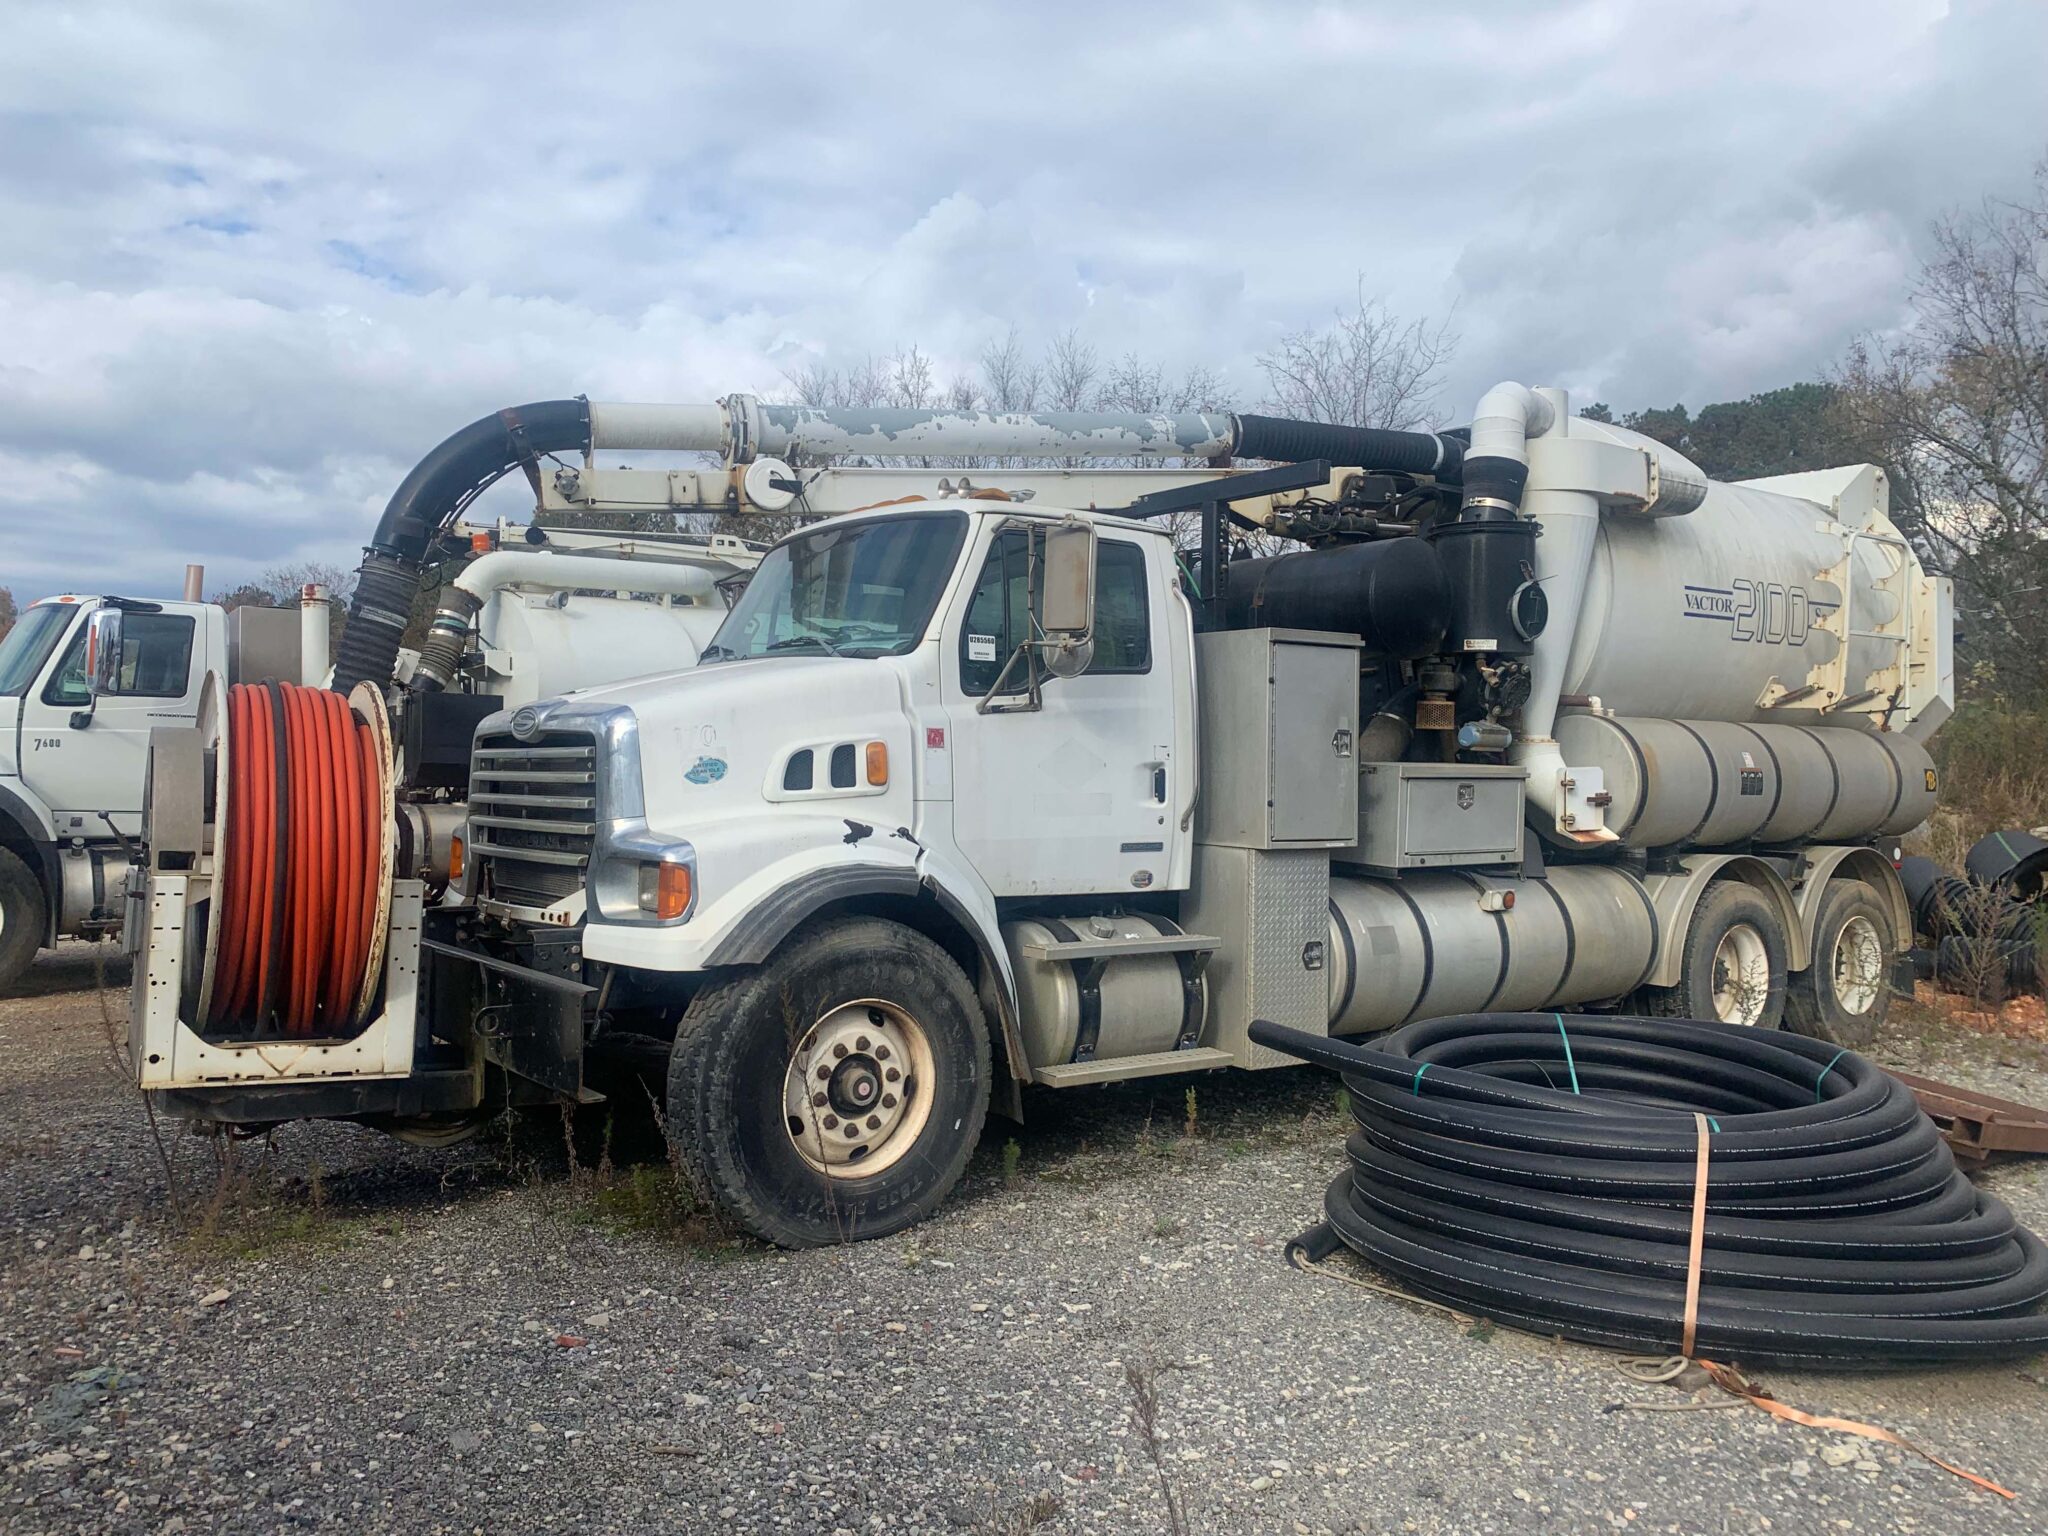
1416, 1086
1824, 1071
1570, 1065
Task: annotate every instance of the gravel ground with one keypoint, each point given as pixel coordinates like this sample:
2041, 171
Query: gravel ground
350, 1333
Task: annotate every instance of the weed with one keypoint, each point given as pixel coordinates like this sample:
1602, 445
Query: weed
1039, 1509
1480, 1328
646, 1198
1190, 1128
1012, 1156
1143, 1381
1343, 1102
1164, 1226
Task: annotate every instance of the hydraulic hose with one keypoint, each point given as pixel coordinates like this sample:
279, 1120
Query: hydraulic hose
423, 506
1540, 1169
298, 897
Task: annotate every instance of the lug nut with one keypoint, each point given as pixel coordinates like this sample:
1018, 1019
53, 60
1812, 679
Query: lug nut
888, 1101
817, 1101
824, 1073
893, 1074
881, 1053
839, 1051
852, 1130
861, 1043
831, 1122
874, 1122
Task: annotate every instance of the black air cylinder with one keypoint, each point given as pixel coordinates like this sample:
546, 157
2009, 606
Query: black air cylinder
1489, 562
1390, 593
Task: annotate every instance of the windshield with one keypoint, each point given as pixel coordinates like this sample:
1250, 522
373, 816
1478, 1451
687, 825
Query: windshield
29, 643
860, 589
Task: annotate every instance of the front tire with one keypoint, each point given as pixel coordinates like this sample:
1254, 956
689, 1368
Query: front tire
836, 1092
1733, 968
22, 919
1844, 995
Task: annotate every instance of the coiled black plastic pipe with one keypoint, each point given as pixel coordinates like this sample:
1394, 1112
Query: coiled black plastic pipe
1539, 1169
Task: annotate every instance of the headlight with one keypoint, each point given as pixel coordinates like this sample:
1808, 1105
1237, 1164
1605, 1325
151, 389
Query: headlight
638, 877
665, 890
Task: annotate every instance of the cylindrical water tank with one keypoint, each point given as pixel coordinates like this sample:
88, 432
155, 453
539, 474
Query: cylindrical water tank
1693, 617
1427, 945
1718, 784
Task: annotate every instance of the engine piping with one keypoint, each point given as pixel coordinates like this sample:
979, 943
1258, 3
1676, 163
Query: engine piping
740, 428
484, 577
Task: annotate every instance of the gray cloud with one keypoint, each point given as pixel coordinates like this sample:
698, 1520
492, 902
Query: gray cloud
255, 259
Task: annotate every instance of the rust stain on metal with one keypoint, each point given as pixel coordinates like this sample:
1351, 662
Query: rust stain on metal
1978, 1126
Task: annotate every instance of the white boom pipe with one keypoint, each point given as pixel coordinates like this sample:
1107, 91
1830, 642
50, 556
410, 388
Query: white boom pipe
488, 574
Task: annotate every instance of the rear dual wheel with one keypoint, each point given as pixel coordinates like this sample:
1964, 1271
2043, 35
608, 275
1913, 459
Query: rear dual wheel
1733, 965
1844, 995
837, 1091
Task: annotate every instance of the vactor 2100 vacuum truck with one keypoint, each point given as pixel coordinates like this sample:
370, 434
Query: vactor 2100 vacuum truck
996, 785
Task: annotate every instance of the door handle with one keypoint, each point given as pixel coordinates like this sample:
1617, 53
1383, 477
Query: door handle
1159, 783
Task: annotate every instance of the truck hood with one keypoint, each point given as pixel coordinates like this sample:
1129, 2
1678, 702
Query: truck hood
721, 735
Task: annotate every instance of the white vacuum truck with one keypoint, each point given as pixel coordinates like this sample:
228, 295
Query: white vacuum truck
1001, 787
73, 756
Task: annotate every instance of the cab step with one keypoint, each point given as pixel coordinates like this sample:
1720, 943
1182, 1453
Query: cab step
1073, 1074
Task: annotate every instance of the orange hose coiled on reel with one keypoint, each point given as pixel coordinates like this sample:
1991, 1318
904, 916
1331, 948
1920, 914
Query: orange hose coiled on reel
296, 902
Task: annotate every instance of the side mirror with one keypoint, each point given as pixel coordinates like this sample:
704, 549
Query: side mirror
1067, 606
103, 652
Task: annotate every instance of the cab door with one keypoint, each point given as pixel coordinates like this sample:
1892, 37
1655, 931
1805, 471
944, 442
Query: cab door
1073, 796
82, 757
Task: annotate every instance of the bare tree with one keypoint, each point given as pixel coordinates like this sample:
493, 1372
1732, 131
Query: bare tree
1367, 368
1956, 407
1071, 372
1009, 379
9, 611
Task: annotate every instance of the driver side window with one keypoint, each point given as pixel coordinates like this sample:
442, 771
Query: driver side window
999, 614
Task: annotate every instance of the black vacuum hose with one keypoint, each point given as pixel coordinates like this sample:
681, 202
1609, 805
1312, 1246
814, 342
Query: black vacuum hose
1374, 448
1539, 1169
440, 485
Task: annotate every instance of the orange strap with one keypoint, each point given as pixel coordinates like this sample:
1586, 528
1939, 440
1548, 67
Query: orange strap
1732, 1381
1699, 1237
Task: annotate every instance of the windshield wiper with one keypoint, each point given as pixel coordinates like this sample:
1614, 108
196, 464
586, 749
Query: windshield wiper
818, 640
717, 653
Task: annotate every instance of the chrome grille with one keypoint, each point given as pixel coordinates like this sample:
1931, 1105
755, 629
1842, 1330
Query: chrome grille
532, 815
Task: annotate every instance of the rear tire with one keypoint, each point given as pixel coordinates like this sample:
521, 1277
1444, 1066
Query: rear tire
1733, 967
1844, 995
22, 918
836, 1092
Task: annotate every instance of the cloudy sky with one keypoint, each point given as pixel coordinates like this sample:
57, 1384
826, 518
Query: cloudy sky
256, 258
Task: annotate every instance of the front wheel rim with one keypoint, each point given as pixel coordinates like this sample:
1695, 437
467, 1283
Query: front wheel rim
1742, 976
1857, 965
857, 1093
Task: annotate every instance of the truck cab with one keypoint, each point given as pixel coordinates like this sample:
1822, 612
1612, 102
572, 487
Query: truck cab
72, 760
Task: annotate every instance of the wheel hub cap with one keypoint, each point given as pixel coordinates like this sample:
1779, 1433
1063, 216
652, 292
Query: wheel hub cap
857, 1092
1742, 976
1858, 965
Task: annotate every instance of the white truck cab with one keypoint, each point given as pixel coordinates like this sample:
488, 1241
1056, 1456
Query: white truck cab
72, 762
